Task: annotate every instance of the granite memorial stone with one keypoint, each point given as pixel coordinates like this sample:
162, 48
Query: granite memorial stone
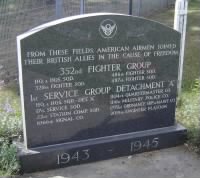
97, 86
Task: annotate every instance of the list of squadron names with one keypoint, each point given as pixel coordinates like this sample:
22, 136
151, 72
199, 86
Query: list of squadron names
126, 76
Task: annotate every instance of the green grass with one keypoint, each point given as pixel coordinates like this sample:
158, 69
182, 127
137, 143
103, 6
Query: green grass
10, 94
192, 47
9, 164
192, 52
10, 127
188, 112
10, 112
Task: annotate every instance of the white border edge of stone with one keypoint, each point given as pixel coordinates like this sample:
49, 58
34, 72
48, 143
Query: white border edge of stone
21, 87
31, 32
37, 29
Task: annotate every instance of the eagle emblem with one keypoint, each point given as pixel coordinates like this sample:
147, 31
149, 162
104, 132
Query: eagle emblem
108, 28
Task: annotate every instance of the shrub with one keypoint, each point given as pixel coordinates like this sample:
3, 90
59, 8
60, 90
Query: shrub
188, 114
10, 124
10, 115
9, 164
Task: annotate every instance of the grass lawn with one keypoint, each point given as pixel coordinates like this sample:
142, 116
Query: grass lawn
192, 47
188, 112
192, 54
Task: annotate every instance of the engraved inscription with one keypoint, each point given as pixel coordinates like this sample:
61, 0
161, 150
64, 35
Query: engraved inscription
65, 158
132, 86
98, 76
147, 144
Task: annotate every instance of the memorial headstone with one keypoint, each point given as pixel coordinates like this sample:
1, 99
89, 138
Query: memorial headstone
97, 86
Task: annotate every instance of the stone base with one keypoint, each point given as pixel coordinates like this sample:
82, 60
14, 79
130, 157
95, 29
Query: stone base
67, 154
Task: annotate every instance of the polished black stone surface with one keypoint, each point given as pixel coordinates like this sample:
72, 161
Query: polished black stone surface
98, 76
63, 155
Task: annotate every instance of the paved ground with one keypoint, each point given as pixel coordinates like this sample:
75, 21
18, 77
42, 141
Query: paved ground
176, 162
